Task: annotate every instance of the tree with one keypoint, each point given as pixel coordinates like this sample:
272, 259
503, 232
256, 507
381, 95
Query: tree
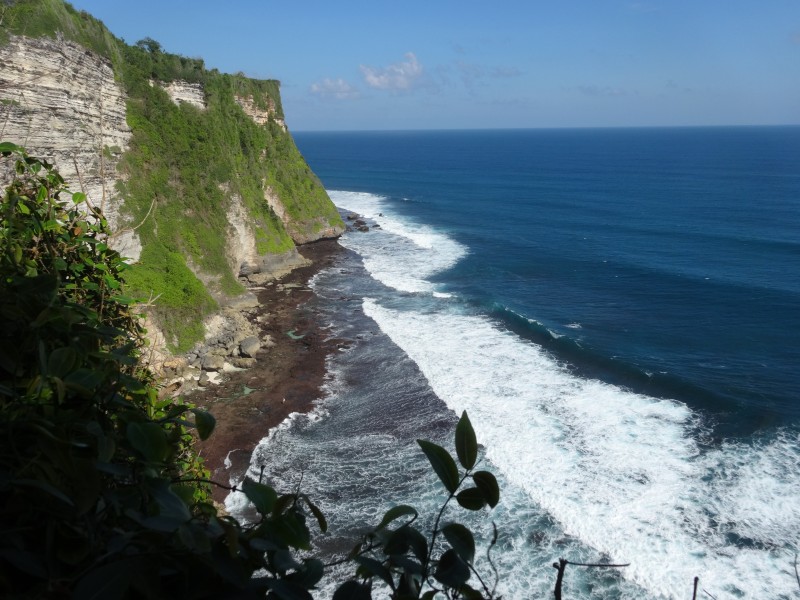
149, 44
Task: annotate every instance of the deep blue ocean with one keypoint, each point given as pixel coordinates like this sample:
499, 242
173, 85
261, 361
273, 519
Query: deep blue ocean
618, 312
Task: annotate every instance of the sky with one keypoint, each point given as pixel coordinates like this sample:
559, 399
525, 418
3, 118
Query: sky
442, 64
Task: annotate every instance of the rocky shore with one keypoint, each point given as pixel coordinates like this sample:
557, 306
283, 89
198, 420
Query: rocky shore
252, 376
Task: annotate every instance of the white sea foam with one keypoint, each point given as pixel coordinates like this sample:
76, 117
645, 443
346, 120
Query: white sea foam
619, 471
417, 251
236, 503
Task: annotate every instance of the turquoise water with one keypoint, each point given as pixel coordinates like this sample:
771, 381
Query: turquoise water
616, 309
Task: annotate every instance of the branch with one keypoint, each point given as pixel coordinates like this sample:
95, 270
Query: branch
121, 231
796, 574
598, 565
561, 566
435, 531
231, 488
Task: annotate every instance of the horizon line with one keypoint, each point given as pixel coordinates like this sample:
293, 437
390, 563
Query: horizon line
547, 128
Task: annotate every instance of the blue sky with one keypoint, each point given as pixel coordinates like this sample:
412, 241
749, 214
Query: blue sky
441, 64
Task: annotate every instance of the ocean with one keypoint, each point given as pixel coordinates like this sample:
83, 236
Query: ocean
616, 309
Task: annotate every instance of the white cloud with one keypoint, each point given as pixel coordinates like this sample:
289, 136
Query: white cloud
396, 77
334, 88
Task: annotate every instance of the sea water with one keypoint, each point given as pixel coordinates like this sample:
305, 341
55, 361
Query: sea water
616, 310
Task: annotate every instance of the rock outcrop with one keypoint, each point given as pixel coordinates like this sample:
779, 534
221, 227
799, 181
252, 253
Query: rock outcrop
302, 231
243, 256
259, 115
183, 92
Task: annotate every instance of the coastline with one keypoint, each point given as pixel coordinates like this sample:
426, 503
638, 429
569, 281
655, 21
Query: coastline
287, 377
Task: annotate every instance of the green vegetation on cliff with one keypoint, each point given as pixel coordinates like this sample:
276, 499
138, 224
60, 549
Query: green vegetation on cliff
186, 163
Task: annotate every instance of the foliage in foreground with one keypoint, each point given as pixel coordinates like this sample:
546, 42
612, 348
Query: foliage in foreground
101, 492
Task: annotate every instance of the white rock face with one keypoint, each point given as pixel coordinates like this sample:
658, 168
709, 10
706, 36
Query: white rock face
301, 232
62, 103
259, 115
184, 92
243, 256
242, 253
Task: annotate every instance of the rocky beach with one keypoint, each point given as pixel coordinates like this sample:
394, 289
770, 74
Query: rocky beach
287, 375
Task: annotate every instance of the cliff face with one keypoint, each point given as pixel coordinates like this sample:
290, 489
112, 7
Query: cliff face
62, 103
195, 170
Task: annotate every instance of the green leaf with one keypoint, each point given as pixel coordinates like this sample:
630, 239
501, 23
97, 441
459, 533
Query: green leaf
205, 422
78, 197
409, 566
291, 531
61, 361
469, 593
442, 463
321, 521
451, 570
471, 499
404, 538
286, 590
148, 439
45, 487
170, 504
466, 442
105, 448
8, 147
461, 539
283, 503
108, 581
353, 590
194, 538
487, 484
283, 561
395, 513
26, 562
311, 572
262, 496
84, 381
369, 567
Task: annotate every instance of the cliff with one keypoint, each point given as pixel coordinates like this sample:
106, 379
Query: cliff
194, 169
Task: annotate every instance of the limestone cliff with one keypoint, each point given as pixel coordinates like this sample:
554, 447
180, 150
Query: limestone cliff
194, 169
62, 103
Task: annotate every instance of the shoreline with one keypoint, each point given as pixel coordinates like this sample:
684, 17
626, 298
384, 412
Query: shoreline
287, 377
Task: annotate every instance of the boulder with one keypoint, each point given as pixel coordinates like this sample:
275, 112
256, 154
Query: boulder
249, 347
243, 363
213, 362
243, 302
